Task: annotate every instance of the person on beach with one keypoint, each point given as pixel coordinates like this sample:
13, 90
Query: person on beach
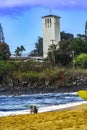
33, 109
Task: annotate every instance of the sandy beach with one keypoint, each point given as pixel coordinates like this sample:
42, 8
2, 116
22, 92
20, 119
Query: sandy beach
72, 118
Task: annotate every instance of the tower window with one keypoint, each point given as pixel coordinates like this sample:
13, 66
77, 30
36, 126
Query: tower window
45, 21
50, 20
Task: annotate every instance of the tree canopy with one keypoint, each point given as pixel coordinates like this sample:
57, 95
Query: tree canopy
4, 51
66, 36
38, 51
19, 50
64, 54
81, 60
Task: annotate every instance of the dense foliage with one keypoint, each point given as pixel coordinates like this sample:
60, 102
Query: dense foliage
19, 74
66, 36
63, 53
38, 51
4, 51
81, 60
19, 50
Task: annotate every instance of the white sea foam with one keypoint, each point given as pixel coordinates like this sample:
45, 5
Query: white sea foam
57, 107
42, 109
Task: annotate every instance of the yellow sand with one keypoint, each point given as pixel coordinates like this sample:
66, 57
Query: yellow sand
74, 118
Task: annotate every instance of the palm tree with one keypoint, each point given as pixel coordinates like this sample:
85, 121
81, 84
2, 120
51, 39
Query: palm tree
19, 50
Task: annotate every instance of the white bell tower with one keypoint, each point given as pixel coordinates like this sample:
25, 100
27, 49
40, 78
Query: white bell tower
51, 32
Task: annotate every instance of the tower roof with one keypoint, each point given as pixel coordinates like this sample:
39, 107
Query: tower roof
51, 16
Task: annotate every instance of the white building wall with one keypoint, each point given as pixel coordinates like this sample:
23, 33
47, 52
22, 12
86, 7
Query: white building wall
51, 31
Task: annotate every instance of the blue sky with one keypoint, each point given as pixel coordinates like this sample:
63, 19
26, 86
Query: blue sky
22, 24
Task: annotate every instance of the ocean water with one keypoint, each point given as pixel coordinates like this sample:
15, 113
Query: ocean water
11, 105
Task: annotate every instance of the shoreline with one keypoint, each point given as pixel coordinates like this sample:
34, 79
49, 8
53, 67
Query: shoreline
52, 89
68, 106
73, 118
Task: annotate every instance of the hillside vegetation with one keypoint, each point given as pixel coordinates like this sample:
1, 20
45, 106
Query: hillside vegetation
19, 76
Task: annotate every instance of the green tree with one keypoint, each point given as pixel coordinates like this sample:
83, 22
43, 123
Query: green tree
64, 52
66, 36
38, 51
79, 46
81, 60
66, 47
4, 51
52, 53
81, 36
19, 50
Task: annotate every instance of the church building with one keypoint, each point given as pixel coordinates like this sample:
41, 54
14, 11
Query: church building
51, 32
